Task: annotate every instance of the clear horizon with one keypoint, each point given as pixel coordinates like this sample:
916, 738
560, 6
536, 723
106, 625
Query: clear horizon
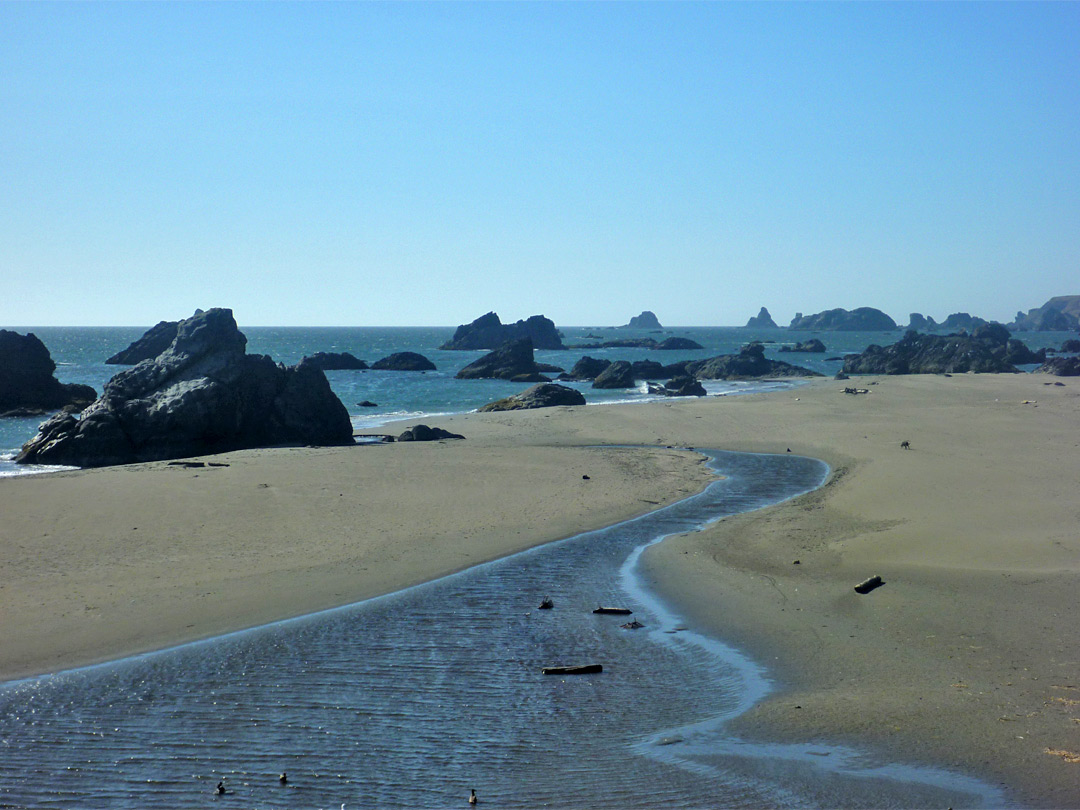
385, 164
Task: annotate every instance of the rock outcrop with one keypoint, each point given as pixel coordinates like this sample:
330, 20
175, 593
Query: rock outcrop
27, 384
862, 319
154, 341
335, 361
650, 370
984, 351
620, 374
404, 361
679, 344
1061, 367
763, 320
1071, 345
1061, 313
587, 368
962, 321
488, 332
671, 344
646, 320
920, 323
749, 364
514, 361
679, 387
541, 395
813, 345
423, 433
203, 394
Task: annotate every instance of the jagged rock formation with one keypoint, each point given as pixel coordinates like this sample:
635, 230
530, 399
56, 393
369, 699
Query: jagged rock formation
1061, 313
749, 364
619, 374
201, 395
919, 323
587, 368
862, 319
986, 350
1071, 345
514, 361
541, 395
423, 433
812, 345
27, 384
646, 320
154, 341
962, 320
404, 361
488, 332
763, 320
1061, 367
335, 361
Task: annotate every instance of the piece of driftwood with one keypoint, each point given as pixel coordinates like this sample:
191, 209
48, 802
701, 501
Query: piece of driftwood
580, 669
614, 611
868, 585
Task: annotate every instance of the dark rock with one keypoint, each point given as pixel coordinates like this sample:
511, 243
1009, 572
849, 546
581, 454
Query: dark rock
646, 320
1071, 346
367, 403
623, 343
812, 345
862, 319
676, 369
514, 361
26, 378
541, 395
1061, 367
984, 351
918, 323
488, 332
404, 361
749, 364
1061, 313
1019, 354
201, 395
678, 344
423, 433
548, 368
763, 320
649, 370
335, 361
154, 341
961, 320
587, 368
679, 387
620, 374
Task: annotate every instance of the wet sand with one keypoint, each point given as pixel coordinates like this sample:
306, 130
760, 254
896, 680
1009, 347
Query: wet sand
967, 656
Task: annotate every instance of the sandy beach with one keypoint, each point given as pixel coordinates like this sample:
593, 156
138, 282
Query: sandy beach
967, 656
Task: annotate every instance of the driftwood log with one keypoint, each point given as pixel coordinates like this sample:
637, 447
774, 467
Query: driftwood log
868, 585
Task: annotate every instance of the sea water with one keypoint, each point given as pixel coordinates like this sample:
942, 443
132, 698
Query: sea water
80, 354
414, 699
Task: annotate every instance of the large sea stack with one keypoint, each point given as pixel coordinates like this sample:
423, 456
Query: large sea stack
27, 384
513, 361
203, 394
763, 320
646, 320
862, 319
488, 332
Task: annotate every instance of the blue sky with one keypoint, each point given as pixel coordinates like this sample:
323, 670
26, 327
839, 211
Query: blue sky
423, 163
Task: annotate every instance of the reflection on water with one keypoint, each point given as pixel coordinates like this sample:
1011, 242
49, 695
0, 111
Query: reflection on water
411, 700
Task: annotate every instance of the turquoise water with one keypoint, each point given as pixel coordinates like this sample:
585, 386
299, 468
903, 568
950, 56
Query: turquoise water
80, 354
413, 699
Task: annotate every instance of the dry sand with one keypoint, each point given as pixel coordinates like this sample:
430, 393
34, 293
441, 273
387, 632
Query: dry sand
968, 656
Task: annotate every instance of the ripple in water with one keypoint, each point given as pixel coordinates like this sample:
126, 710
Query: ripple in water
412, 699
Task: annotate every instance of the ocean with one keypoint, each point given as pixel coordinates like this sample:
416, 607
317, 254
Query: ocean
80, 354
